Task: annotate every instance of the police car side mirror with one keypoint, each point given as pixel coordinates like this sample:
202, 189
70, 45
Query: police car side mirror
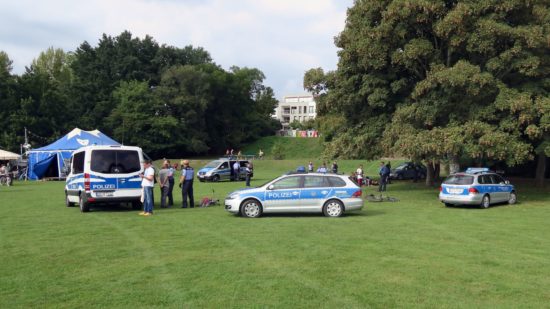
507, 182
271, 187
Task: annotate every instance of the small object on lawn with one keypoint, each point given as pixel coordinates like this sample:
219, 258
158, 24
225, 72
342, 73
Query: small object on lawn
381, 198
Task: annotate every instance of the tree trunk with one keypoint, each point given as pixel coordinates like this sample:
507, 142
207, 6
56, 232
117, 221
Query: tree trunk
437, 170
454, 165
541, 170
429, 174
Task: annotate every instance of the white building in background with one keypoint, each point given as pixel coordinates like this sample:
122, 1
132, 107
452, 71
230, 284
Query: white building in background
299, 108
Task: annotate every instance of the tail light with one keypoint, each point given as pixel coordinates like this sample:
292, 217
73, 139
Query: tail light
357, 193
87, 182
440, 189
473, 191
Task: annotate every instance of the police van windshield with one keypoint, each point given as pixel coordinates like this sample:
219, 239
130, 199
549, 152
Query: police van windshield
213, 164
459, 180
115, 161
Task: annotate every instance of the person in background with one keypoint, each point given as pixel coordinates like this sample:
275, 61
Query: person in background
310, 167
260, 154
171, 181
249, 173
186, 184
147, 183
236, 170
359, 173
227, 152
335, 167
239, 154
322, 168
164, 183
383, 172
388, 180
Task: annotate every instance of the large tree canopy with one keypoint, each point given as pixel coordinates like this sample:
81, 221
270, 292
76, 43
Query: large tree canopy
439, 80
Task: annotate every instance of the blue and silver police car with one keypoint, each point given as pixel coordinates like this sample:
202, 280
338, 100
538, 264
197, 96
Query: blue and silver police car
330, 194
476, 186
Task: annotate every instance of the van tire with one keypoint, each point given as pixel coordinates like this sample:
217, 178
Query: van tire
67, 202
84, 206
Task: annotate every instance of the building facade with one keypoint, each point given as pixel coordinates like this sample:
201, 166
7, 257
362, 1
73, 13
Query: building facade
295, 108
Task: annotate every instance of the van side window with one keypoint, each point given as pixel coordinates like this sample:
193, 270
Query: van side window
78, 163
115, 161
224, 165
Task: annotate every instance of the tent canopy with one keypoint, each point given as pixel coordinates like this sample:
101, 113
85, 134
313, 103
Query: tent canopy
48, 161
6, 155
78, 138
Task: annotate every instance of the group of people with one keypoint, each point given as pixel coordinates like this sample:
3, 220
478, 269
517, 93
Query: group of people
166, 181
323, 168
383, 171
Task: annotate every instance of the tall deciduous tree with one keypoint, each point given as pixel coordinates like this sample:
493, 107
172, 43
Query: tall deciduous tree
436, 80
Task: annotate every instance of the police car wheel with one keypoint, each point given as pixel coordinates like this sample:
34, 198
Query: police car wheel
84, 206
67, 202
513, 198
400, 177
485, 202
216, 178
333, 208
448, 205
251, 209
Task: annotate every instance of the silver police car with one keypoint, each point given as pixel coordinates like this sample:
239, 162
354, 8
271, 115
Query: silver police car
476, 186
330, 194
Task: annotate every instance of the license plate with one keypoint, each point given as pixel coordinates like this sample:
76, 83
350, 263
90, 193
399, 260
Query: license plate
104, 194
455, 191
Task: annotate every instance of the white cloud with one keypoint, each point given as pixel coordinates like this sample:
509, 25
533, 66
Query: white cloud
283, 38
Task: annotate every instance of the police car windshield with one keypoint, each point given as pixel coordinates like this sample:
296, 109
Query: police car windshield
459, 180
213, 164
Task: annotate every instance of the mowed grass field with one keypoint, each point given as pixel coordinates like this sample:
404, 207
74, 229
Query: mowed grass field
411, 253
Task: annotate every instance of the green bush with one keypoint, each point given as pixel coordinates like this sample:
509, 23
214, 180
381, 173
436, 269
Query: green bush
278, 151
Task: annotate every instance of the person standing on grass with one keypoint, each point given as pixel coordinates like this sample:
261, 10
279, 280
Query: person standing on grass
335, 167
384, 174
249, 173
171, 181
359, 174
164, 183
186, 184
310, 167
322, 168
388, 180
147, 183
236, 171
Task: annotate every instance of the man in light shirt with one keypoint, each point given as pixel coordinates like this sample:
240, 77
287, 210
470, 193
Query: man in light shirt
359, 173
147, 183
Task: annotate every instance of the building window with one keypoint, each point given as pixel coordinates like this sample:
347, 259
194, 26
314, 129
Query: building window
311, 109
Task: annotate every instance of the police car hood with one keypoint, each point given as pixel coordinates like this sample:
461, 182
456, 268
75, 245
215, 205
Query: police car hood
206, 169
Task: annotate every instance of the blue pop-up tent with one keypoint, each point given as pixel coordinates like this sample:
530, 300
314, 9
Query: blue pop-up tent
48, 161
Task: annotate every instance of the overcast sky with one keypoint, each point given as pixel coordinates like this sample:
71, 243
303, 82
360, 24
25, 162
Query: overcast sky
283, 38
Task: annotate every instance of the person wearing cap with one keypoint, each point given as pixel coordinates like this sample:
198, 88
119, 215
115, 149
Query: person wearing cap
147, 182
186, 184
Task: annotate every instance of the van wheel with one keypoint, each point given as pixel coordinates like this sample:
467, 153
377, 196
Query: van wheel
67, 202
485, 201
216, 178
136, 205
84, 206
333, 208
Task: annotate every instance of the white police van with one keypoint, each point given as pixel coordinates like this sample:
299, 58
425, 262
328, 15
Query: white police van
330, 194
476, 186
104, 174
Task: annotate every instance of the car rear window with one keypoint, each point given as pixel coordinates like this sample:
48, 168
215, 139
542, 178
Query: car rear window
115, 161
459, 180
336, 182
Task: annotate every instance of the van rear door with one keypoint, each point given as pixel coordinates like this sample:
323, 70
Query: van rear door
119, 169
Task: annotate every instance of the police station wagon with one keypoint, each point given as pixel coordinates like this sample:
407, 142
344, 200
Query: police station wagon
104, 174
332, 195
476, 186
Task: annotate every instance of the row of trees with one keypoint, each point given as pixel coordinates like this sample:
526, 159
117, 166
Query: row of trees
170, 101
440, 81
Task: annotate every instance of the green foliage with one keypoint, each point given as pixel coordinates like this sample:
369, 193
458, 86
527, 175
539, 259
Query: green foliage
435, 80
277, 151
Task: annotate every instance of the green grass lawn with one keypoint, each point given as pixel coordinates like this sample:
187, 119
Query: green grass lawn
307, 148
412, 253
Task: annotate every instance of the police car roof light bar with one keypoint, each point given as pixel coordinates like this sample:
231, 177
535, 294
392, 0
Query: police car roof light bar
476, 170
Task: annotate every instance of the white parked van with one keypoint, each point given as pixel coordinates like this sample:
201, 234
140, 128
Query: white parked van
104, 174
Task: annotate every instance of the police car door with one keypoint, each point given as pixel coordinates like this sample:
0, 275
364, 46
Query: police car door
284, 194
502, 190
314, 192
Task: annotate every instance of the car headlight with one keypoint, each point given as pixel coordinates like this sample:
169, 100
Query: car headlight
232, 197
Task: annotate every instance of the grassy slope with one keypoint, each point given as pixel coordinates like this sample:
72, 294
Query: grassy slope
300, 148
413, 253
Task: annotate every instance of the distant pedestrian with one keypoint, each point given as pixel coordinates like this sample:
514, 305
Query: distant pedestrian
164, 183
359, 174
239, 154
236, 171
171, 182
310, 167
322, 169
384, 174
335, 167
227, 153
260, 154
186, 184
147, 184
388, 165
249, 173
